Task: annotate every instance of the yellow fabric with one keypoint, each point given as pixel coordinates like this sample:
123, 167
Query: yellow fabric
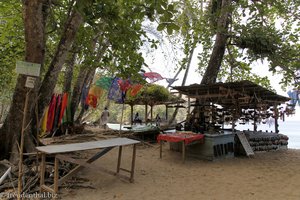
96, 91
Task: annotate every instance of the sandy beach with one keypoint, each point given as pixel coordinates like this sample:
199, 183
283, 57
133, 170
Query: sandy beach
268, 175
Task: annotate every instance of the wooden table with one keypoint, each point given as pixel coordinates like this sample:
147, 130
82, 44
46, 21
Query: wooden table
59, 152
185, 137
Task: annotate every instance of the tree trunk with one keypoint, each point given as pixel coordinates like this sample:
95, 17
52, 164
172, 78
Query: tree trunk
35, 14
211, 73
50, 79
88, 78
78, 89
69, 71
88, 81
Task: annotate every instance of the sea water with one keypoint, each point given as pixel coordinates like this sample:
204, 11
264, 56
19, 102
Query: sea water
291, 128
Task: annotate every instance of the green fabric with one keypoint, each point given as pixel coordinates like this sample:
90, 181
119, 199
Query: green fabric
104, 82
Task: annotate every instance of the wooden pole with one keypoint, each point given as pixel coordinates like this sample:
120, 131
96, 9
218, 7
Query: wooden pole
146, 113
121, 119
255, 121
166, 112
151, 113
131, 115
276, 118
22, 147
189, 105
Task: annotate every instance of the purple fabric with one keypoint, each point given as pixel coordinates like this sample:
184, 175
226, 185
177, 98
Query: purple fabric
115, 93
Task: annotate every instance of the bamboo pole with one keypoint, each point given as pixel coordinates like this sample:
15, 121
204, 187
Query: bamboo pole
22, 147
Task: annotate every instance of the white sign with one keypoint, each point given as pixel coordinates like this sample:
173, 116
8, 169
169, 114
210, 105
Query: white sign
30, 82
28, 68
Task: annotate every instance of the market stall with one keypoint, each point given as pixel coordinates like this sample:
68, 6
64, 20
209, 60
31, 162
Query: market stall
217, 108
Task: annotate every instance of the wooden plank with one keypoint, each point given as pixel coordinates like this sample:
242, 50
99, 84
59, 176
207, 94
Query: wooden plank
79, 167
3, 177
43, 166
56, 175
125, 170
54, 149
133, 163
245, 144
119, 159
47, 188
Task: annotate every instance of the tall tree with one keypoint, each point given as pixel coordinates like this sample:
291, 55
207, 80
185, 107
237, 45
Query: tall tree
215, 61
68, 36
35, 15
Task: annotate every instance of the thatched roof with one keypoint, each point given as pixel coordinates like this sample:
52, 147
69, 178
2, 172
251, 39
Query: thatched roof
244, 93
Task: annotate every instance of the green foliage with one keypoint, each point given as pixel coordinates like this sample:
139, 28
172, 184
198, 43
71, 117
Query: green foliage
261, 42
11, 44
150, 94
267, 30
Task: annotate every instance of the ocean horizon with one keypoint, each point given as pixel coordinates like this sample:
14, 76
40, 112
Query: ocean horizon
291, 128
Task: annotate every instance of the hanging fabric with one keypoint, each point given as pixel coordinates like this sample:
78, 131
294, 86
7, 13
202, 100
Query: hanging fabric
91, 100
293, 94
104, 82
115, 93
44, 121
57, 112
64, 104
67, 117
153, 76
84, 94
51, 113
171, 80
95, 91
134, 89
124, 85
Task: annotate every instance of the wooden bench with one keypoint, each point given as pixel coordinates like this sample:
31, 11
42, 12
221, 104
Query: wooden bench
59, 153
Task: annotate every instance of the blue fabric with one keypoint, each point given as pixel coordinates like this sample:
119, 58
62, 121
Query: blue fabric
115, 93
293, 94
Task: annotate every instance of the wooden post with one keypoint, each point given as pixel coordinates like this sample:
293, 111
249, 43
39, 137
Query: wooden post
189, 105
131, 115
151, 112
56, 166
167, 112
119, 159
121, 119
276, 118
22, 147
146, 113
133, 163
43, 166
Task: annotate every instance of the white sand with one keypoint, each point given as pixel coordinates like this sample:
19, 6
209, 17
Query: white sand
269, 175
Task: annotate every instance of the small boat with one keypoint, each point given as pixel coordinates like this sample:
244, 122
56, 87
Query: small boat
145, 129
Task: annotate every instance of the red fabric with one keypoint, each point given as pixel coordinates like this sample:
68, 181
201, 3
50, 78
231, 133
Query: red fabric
51, 113
124, 85
135, 89
91, 100
64, 104
153, 76
187, 137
